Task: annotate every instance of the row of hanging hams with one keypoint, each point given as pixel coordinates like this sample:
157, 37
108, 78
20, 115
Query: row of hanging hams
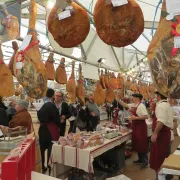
111, 84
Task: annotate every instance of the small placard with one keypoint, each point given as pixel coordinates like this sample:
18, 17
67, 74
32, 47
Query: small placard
64, 14
69, 8
177, 42
19, 65
117, 3
25, 42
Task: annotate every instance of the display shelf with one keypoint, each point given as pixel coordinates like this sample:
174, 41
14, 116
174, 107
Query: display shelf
20, 167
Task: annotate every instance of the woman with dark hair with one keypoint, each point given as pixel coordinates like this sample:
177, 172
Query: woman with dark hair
3, 115
49, 129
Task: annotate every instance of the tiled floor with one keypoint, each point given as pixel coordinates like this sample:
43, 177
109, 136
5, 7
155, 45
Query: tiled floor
133, 171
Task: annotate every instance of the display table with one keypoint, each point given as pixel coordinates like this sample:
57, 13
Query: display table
83, 158
171, 164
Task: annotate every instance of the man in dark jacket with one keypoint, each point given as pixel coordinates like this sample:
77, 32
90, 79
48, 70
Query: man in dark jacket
3, 115
49, 129
64, 112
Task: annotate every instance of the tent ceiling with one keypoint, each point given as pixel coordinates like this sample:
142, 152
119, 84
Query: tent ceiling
128, 58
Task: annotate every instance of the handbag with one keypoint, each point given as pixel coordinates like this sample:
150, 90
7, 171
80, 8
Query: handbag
81, 120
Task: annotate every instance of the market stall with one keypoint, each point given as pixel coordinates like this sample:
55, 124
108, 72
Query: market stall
83, 158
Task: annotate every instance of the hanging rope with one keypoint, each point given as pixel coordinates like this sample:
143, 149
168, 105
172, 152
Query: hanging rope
152, 31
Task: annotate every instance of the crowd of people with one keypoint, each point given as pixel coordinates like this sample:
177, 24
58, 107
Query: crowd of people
85, 115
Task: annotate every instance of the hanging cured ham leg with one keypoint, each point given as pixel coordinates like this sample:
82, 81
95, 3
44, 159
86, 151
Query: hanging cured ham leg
106, 79
118, 26
71, 31
71, 86
12, 61
99, 94
49, 64
61, 76
6, 79
102, 79
29, 68
164, 58
80, 92
11, 24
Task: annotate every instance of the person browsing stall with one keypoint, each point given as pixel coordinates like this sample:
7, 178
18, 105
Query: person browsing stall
139, 135
161, 137
64, 112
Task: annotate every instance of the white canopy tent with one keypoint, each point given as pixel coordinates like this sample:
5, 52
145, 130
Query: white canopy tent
127, 59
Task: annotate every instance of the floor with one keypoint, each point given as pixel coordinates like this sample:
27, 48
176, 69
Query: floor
133, 171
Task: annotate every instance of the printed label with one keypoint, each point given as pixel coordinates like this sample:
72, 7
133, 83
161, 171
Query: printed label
177, 42
117, 3
25, 42
64, 14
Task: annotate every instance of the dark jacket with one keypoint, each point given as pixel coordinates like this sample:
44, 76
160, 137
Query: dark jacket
116, 105
65, 111
48, 115
10, 111
3, 115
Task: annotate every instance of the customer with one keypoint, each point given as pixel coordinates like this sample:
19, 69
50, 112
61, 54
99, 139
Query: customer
93, 110
162, 125
108, 107
3, 115
49, 129
139, 135
11, 108
63, 109
73, 112
22, 116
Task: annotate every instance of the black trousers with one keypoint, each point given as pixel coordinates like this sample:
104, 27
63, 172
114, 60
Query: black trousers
72, 127
143, 157
62, 129
43, 147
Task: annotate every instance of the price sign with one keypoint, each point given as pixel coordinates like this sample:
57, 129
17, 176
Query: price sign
117, 3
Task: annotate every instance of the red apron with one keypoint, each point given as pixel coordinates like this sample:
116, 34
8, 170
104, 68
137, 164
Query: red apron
53, 130
159, 149
139, 134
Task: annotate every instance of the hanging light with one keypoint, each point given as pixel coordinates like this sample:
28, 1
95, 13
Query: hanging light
50, 4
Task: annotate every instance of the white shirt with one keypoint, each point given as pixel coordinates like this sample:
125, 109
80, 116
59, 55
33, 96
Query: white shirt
164, 113
141, 109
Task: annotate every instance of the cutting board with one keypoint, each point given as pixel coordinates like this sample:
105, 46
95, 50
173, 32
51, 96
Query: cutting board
172, 162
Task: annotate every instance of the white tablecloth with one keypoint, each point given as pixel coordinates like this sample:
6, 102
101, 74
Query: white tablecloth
83, 158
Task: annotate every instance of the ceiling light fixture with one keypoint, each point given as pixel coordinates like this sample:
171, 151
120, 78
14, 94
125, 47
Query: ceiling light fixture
50, 4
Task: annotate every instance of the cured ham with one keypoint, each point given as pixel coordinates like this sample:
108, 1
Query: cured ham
113, 81
164, 57
71, 31
31, 72
49, 64
118, 26
102, 81
106, 79
119, 81
80, 92
61, 76
99, 94
134, 87
127, 83
12, 61
6, 79
71, 86
110, 96
11, 24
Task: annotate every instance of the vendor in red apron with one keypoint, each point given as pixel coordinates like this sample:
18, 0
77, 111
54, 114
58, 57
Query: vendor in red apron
162, 124
139, 135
